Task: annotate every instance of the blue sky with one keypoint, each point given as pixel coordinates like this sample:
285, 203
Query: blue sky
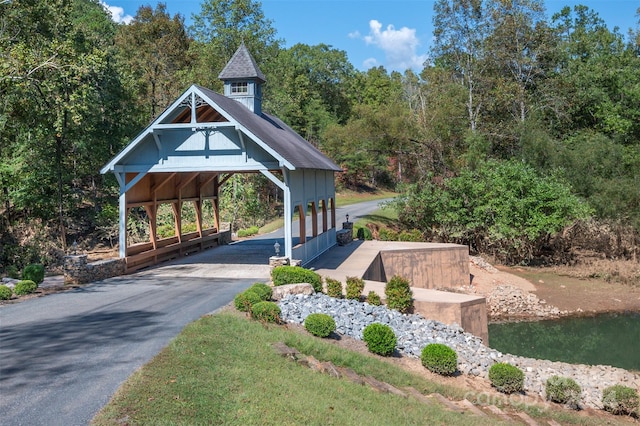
394, 33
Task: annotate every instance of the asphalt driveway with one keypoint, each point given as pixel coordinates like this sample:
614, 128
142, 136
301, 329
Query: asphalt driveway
63, 356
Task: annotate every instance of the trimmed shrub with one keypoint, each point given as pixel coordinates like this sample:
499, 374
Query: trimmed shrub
245, 300
355, 286
380, 339
334, 288
266, 311
399, 294
363, 233
413, 235
374, 299
563, 390
619, 399
321, 325
262, 290
5, 292
282, 275
440, 359
506, 378
24, 287
33, 272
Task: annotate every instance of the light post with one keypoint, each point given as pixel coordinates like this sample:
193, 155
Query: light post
276, 247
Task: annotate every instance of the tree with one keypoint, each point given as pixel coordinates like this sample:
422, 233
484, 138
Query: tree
58, 77
220, 28
460, 30
310, 88
155, 48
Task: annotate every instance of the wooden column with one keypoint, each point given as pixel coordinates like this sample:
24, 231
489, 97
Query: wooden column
333, 212
314, 221
303, 224
324, 216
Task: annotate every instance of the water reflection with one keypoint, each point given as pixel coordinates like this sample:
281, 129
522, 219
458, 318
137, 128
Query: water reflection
610, 339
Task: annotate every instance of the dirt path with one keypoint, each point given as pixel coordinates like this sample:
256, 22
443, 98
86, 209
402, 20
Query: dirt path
583, 296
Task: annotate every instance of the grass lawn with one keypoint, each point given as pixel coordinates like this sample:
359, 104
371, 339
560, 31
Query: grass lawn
223, 370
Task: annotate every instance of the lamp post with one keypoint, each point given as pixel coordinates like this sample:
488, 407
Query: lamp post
276, 247
347, 218
75, 247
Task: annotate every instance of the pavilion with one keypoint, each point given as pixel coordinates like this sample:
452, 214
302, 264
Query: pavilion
203, 138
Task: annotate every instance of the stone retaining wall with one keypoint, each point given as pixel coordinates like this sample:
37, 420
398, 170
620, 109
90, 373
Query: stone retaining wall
78, 271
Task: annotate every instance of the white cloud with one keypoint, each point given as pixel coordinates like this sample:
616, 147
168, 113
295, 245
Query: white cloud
370, 63
117, 13
399, 46
355, 34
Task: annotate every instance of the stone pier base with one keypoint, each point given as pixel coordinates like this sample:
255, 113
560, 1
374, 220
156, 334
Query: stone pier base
78, 271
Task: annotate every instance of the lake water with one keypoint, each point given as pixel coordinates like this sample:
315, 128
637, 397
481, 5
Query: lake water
608, 339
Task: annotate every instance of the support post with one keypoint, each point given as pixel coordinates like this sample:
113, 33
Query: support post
122, 216
288, 214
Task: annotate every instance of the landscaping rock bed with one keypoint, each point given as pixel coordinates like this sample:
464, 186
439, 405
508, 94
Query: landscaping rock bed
474, 358
509, 302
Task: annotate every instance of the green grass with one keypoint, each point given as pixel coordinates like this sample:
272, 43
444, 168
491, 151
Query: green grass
382, 217
223, 370
346, 197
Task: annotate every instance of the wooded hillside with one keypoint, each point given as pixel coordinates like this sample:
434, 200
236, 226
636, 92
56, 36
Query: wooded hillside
520, 125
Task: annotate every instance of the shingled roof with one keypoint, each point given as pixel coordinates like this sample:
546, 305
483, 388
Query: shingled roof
275, 133
242, 65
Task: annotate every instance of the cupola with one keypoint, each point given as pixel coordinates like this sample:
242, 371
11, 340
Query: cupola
243, 80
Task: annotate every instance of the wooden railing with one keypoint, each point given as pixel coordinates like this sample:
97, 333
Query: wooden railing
143, 255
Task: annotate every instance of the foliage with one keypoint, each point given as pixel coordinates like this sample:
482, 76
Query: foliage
321, 325
5, 292
362, 233
380, 339
439, 358
13, 272
387, 234
282, 275
24, 287
245, 300
334, 288
33, 272
620, 399
155, 48
263, 290
504, 208
355, 286
563, 390
398, 294
248, 232
506, 378
266, 312
373, 298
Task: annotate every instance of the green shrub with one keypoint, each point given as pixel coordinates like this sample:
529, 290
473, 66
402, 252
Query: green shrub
506, 377
33, 272
374, 299
363, 233
334, 288
253, 230
380, 339
619, 399
24, 287
399, 295
563, 390
282, 275
440, 359
262, 290
355, 286
321, 325
266, 311
5, 292
413, 235
245, 300
386, 234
